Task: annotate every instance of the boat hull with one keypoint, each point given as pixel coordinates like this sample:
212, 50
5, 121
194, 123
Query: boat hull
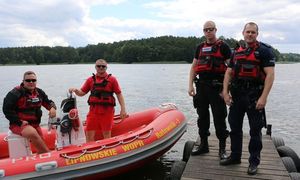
145, 141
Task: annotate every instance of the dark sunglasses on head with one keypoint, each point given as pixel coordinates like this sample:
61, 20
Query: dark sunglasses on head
30, 80
100, 66
208, 29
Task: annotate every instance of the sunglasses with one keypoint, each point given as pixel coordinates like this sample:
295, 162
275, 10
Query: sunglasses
100, 66
208, 29
30, 80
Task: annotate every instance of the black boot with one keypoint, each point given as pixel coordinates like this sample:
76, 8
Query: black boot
222, 147
229, 161
252, 169
202, 148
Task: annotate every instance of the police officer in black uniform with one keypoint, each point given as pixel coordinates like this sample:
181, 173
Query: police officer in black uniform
250, 76
207, 72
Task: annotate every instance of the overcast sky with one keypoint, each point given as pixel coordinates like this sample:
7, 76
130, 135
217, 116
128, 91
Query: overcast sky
78, 23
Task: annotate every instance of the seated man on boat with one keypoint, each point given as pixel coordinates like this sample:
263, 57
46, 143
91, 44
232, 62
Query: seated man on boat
22, 107
101, 100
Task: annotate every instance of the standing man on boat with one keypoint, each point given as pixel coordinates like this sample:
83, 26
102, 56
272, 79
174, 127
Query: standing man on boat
22, 107
101, 100
250, 76
207, 72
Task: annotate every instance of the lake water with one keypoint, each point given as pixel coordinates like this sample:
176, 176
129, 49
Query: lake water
149, 85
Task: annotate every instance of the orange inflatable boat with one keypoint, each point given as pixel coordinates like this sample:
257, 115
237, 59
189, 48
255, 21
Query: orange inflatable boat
139, 138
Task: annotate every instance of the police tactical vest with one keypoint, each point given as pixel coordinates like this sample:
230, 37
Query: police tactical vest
247, 65
210, 59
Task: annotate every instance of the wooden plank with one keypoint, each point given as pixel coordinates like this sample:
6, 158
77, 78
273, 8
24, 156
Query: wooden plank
207, 166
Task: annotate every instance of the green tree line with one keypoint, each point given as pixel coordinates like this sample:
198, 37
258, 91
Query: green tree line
155, 49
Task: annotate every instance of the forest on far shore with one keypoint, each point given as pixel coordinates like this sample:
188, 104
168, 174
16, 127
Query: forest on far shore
149, 50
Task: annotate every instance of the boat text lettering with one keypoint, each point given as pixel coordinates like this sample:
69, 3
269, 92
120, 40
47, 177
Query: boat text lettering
33, 157
133, 145
164, 131
92, 156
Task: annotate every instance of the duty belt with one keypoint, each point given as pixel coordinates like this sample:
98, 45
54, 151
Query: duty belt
215, 84
246, 85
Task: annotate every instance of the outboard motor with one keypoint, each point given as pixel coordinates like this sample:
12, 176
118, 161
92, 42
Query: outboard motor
69, 129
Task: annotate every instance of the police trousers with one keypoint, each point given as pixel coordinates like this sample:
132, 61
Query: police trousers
244, 103
209, 95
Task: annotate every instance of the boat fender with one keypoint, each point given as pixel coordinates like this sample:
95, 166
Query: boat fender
293, 175
188, 147
289, 164
278, 141
285, 151
177, 170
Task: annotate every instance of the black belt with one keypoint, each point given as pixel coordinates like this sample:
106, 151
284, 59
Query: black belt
247, 85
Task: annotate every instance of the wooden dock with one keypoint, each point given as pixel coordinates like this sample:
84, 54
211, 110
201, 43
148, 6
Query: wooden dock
207, 166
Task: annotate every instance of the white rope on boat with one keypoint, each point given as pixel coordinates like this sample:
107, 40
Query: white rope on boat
74, 157
121, 142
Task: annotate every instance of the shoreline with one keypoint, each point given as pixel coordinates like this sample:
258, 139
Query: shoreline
155, 62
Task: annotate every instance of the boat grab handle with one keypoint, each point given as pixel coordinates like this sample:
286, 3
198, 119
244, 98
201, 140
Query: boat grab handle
139, 136
46, 166
144, 135
94, 151
129, 140
69, 157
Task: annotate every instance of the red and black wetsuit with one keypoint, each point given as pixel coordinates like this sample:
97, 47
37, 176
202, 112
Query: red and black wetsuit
22, 105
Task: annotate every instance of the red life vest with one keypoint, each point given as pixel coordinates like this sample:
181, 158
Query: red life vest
247, 65
210, 59
101, 93
29, 106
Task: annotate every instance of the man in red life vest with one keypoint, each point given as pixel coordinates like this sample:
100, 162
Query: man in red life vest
250, 75
102, 86
22, 107
207, 71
